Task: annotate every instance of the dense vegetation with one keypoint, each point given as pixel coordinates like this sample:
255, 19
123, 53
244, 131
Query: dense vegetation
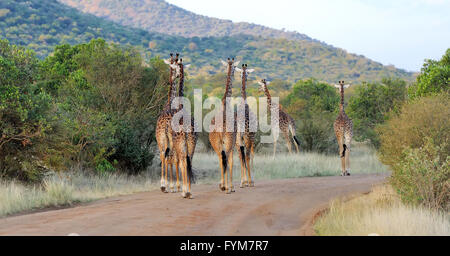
314, 105
42, 24
93, 105
415, 139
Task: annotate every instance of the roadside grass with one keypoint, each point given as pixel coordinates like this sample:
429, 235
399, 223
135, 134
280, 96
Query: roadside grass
66, 189
381, 212
285, 166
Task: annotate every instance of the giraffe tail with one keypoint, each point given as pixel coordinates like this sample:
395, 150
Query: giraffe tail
343, 152
292, 130
190, 172
166, 153
243, 154
296, 140
224, 161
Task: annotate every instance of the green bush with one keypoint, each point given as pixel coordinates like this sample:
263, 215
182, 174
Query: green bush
423, 176
93, 105
415, 143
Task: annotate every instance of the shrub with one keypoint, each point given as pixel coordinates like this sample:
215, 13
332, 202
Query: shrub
417, 120
415, 143
423, 176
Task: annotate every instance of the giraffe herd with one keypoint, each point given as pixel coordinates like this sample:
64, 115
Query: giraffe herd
227, 131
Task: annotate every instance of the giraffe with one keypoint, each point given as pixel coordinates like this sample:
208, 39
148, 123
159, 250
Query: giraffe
286, 122
343, 128
184, 141
245, 140
222, 140
163, 136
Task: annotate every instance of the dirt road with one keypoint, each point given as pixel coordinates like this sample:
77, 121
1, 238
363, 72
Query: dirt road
278, 207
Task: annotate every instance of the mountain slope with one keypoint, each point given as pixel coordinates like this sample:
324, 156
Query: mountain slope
160, 16
42, 24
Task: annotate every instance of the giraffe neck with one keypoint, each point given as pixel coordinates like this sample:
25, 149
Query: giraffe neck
341, 105
269, 98
181, 83
244, 84
228, 88
172, 90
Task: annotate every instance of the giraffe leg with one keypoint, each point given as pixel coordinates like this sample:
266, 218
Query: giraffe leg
347, 156
183, 174
189, 187
177, 170
171, 176
252, 152
222, 184
242, 171
347, 162
230, 173
163, 166
288, 142
166, 171
341, 150
249, 174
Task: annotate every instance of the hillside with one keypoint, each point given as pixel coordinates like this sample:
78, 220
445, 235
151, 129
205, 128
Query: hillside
42, 24
160, 16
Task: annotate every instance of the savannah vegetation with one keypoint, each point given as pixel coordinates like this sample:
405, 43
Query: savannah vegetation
413, 140
70, 102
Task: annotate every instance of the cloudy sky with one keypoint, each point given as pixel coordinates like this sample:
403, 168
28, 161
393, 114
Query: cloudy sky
399, 32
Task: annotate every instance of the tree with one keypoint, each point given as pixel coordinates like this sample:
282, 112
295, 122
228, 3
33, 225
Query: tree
24, 111
433, 78
313, 105
371, 104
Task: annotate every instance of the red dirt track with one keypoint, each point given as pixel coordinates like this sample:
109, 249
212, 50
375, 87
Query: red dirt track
276, 207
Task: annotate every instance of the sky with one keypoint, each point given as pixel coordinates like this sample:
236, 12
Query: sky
400, 32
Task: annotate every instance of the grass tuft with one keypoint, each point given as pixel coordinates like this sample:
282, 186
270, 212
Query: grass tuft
381, 212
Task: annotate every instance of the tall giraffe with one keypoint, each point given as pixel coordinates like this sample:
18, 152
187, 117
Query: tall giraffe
245, 140
163, 136
343, 128
286, 122
221, 139
184, 141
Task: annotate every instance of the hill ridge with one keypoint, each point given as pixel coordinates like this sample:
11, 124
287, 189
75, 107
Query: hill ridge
42, 24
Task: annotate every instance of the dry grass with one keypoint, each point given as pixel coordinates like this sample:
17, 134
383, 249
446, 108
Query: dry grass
381, 212
77, 186
66, 189
284, 166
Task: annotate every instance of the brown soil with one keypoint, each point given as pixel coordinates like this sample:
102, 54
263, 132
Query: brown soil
276, 207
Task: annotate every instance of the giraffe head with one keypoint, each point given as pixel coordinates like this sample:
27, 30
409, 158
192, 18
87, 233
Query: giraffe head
341, 86
172, 62
180, 66
231, 66
244, 72
263, 85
